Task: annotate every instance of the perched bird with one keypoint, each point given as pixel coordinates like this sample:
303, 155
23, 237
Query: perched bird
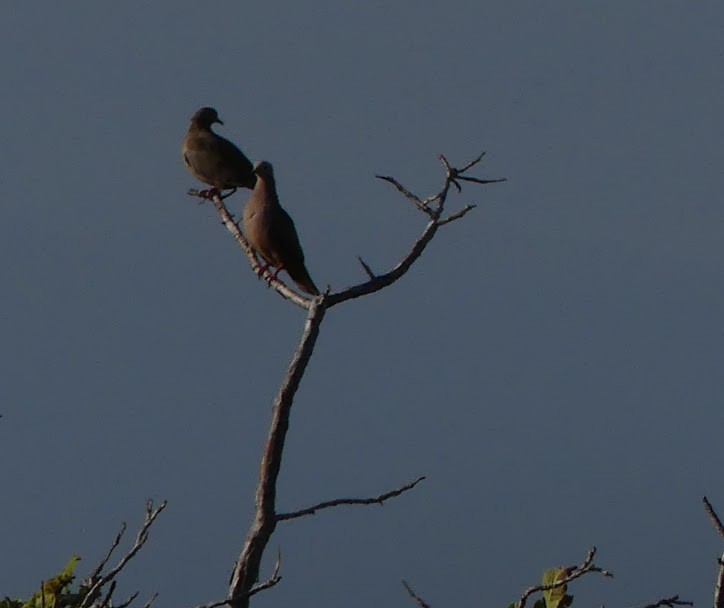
271, 231
213, 159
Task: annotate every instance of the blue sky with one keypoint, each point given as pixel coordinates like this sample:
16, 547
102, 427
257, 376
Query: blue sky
553, 363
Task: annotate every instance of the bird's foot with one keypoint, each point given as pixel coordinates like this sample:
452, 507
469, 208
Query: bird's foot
228, 194
277, 271
204, 195
261, 270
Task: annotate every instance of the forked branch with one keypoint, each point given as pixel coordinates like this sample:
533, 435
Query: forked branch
258, 588
433, 206
573, 572
246, 569
97, 580
228, 221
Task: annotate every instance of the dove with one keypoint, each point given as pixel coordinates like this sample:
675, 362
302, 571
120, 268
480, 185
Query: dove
271, 232
213, 159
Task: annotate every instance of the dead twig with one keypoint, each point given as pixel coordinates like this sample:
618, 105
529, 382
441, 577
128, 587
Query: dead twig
150, 601
259, 587
713, 516
107, 597
379, 500
102, 564
409, 195
272, 580
455, 216
433, 207
99, 580
669, 601
476, 180
418, 600
574, 572
719, 586
366, 268
128, 601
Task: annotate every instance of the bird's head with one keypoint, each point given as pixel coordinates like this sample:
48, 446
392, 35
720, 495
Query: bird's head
264, 169
205, 117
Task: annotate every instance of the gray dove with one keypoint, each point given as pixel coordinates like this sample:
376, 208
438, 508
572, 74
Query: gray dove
271, 231
213, 159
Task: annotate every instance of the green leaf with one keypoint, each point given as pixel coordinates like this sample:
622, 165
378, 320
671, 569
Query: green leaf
54, 588
556, 598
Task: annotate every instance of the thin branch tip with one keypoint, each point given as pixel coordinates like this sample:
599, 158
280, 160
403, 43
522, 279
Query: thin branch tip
572, 573
715, 520
379, 500
477, 180
366, 268
97, 580
416, 598
473, 162
456, 216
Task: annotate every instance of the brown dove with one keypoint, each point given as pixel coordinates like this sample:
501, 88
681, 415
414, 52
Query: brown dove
271, 231
213, 159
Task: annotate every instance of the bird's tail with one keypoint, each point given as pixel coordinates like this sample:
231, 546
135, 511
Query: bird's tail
301, 277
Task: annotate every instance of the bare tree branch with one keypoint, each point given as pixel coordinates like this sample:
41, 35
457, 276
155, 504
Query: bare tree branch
574, 572
719, 586
107, 597
455, 216
418, 600
246, 568
451, 173
476, 180
267, 584
98, 581
375, 282
379, 500
150, 601
669, 601
713, 516
472, 163
102, 564
383, 280
718, 594
272, 580
433, 207
228, 221
218, 603
128, 601
413, 197
366, 268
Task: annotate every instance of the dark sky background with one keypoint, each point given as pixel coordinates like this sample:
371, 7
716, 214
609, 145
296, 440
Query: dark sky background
553, 363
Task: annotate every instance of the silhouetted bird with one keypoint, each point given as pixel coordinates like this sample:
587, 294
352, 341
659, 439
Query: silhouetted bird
213, 159
271, 231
